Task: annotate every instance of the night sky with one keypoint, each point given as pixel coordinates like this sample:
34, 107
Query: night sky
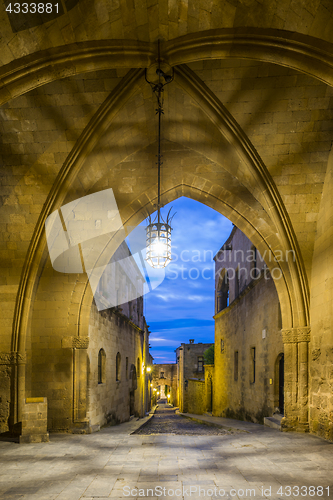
182, 306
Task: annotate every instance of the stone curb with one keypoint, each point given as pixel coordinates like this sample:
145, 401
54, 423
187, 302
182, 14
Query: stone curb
149, 417
197, 418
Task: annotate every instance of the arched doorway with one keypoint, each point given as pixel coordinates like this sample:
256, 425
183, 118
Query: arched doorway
209, 393
134, 385
279, 383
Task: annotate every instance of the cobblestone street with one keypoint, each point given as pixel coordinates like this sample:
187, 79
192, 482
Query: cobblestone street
166, 421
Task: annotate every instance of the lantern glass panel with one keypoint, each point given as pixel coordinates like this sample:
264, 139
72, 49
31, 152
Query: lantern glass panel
158, 250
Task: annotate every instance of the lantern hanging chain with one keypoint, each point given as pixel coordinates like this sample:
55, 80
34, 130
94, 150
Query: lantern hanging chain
157, 89
159, 111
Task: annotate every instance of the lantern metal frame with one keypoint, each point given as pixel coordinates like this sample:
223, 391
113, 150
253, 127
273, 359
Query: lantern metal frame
158, 241
158, 231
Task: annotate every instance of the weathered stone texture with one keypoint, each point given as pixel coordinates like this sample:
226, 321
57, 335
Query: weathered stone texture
321, 352
158, 19
110, 401
34, 421
196, 397
251, 320
189, 368
5, 396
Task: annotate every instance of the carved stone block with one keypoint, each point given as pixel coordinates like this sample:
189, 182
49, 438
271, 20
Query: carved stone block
75, 342
295, 335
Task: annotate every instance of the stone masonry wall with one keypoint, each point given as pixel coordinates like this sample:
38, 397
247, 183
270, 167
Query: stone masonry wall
321, 351
239, 328
196, 397
187, 359
109, 402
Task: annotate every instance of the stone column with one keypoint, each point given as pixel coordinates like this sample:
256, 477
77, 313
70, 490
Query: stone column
296, 345
12, 390
79, 345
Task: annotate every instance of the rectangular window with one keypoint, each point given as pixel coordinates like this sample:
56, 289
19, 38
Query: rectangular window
237, 283
126, 368
200, 363
254, 270
253, 365
236, 366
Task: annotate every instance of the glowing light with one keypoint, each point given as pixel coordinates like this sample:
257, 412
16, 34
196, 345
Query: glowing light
158, 252
148, 368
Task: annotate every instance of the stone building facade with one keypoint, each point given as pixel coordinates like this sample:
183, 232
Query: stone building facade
95, 379
249, 351
191, 376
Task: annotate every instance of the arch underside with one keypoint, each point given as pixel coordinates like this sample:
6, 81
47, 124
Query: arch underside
208, 157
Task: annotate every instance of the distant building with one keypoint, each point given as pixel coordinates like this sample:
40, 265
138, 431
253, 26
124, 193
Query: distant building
165, 381
191, 377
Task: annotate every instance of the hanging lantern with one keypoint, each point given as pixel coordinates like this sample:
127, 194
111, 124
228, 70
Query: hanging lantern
158, 242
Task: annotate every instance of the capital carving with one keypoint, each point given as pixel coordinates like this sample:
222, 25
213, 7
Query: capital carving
295, 335
75, 342
12, 358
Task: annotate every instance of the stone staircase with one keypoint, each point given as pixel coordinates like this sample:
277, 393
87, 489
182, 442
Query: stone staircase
274, 422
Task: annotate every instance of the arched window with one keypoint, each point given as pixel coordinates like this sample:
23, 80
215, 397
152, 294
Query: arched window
138, 368
237, 283
118, 360
254, 269
101, 366
222, 295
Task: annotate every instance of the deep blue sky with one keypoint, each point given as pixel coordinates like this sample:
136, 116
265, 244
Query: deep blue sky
183, 305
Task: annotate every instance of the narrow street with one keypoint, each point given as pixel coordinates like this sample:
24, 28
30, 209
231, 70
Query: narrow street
167, 421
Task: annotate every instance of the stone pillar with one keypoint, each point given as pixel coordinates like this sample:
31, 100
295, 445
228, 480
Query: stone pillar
34, 421
296, 345
12, 390
209, 377
79, 346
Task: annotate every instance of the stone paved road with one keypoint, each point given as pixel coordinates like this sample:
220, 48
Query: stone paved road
166, 421
113, 463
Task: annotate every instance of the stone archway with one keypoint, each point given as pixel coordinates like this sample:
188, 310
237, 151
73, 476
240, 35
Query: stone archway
254, 204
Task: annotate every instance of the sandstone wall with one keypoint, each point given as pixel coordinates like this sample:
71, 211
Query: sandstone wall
239, 328
187, 358
321, 351
196, 397
109, 402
